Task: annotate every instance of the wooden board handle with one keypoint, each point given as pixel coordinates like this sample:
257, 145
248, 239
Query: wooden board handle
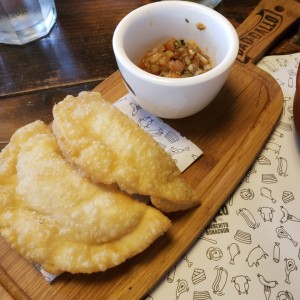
262, 28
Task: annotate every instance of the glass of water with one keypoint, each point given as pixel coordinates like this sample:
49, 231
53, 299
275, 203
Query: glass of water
208, 3
22, 21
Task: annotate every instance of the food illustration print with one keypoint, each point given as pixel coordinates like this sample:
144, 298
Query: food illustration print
234, 250
241, 284
183, 151
266, 213
287, 216
283, 234
248, 217
255, 255
266, 192
220, 281
182, 287
268, 285
253, 249
290, 266
276, 252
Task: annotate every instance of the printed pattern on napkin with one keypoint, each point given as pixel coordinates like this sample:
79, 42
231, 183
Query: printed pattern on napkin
251, 249
182, 150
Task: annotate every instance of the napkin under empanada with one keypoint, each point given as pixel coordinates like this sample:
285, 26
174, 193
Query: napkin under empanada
109, 147
54, 216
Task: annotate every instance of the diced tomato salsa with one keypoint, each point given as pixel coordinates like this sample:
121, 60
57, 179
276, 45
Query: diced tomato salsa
176, 59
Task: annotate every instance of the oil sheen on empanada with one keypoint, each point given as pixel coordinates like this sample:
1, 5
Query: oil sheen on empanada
54, 216
110, 148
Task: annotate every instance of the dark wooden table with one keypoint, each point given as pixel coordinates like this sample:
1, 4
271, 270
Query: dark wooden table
77, 55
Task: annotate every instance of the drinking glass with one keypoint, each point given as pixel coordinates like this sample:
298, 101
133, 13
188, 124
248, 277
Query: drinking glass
22, 21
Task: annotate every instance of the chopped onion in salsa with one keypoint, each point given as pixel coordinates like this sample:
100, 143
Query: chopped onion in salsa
176, 59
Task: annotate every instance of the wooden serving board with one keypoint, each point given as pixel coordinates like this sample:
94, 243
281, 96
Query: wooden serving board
231, 132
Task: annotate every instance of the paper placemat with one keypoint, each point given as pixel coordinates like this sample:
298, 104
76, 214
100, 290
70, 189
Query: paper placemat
251, 249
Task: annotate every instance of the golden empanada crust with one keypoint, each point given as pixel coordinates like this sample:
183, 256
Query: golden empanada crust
110, 148
60, 219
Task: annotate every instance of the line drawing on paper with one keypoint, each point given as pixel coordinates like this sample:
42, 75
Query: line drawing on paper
241, 284
248, 217
255, 255
266, 213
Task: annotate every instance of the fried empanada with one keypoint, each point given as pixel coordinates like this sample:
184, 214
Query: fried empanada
109, 147
60, 219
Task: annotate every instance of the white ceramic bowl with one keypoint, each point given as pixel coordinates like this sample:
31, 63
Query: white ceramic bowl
153, 24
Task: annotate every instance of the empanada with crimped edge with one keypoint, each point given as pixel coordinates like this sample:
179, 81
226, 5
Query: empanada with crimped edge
109, 147
60, 219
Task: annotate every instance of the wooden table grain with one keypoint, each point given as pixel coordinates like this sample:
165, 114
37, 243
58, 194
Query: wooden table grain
77, 55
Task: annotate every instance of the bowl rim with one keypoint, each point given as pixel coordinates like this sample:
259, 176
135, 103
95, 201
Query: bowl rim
217, 70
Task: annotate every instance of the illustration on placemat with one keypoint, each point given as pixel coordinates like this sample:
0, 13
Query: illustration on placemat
263, 160
212, 241
171, 274
290, 266
287, 216
145, 122
220, 280
247, 194
258, 256
271, 67
273, 147
284, 126
266, 192
276, 252
241, 284
282, 62
248, 217
280, 82
287, 196
285, 100
189, 263
173, 150
277, 133
201, 295
291, 82
172, 137
266, 213
135, 108
283, 234
243, 237
234, 250
156, 132
282, 166
198, 276
182, 287
268, 178
284, 295
255, 255
268, 285
214, 253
